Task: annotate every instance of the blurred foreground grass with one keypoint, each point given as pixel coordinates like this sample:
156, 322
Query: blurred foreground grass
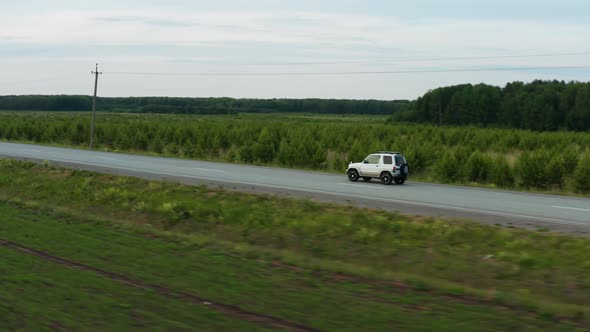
332, 254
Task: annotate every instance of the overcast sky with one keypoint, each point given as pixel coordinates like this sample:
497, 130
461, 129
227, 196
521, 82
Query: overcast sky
50, 47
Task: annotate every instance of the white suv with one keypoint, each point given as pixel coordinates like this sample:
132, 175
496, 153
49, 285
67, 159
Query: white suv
385, 165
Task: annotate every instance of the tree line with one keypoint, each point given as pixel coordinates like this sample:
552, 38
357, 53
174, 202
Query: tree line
201, 105
539, 106
506, 158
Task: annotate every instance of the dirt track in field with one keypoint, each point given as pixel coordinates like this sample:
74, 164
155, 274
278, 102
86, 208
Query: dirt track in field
229, 310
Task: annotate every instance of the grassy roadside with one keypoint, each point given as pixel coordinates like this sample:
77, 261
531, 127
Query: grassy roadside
540, 272
46, 296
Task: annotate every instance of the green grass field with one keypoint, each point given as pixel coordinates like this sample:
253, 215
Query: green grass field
40, 295
327, 267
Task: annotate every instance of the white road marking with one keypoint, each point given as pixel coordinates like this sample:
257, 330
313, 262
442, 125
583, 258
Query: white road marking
203, 169
569, 208
208, 169
31, 150
107, 158
361, 185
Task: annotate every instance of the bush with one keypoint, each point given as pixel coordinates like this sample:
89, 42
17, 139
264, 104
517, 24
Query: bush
532, 169
448, 169
477, 168
556, 172
263, 149
570, 159
246, 154
287, 153
501, 173
582, 173
263, 152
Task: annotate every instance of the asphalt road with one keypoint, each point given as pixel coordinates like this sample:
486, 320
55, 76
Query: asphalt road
567, 214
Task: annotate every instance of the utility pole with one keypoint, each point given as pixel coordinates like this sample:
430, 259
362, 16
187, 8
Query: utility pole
96, 73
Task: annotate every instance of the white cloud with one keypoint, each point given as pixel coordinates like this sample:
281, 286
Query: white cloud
201, 41
298, 28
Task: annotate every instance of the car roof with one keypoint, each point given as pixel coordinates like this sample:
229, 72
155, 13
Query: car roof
387, 152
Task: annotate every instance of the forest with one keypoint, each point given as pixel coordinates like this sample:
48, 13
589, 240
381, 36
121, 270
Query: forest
539, 106
201, 105
503, 158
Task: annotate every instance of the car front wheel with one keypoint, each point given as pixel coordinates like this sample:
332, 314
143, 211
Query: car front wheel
353, 175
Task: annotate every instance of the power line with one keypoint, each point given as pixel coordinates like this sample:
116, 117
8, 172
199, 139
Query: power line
423, 59
53, 78
385, 72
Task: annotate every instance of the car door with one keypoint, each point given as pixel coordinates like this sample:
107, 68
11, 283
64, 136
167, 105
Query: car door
402, 165
370, 166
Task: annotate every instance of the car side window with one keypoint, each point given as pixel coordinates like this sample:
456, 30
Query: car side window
387, 160
373, 159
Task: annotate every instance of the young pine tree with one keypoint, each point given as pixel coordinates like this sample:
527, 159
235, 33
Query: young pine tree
501, 174
556, 172
532, 170
447, 168
582, 173
477, 168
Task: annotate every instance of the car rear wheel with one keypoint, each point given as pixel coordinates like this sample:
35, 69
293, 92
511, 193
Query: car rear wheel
353, 175
386, 178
